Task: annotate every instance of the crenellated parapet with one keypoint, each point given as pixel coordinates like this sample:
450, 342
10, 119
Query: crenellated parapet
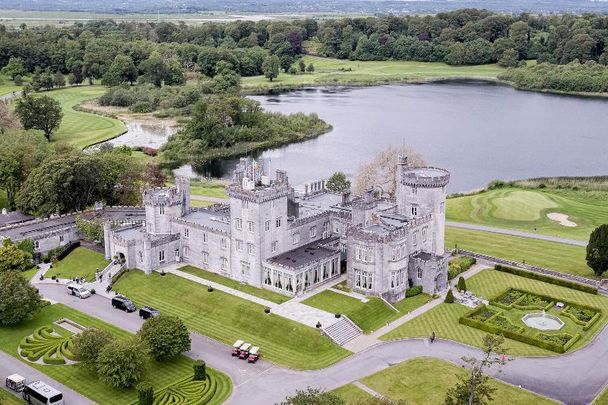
259, 194
162, 196
392, 233
431, 177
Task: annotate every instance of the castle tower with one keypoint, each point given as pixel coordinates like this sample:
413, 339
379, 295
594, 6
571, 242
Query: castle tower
259, 212
164, 203
422, 191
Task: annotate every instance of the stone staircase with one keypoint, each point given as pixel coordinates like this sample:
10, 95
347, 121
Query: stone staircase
342, 331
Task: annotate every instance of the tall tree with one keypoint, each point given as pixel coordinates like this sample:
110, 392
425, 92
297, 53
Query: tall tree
474, 387
89, 344
154, 69
337, 183
122, 70
597, 250
122, 363
166, 336
19, 301
14, 68
271, 67
12, 258
43, 113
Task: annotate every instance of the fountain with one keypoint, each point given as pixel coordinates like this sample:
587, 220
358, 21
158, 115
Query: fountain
542, 321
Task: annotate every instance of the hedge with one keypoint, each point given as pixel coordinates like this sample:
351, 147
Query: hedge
586, 325
412, 291
66, 250
465, 320
546, 279
515, 304
460, 265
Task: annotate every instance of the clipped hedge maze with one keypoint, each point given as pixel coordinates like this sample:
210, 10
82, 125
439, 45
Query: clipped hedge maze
51, 348
213, 390
495, 319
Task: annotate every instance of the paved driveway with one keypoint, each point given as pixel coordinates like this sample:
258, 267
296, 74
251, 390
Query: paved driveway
574, 379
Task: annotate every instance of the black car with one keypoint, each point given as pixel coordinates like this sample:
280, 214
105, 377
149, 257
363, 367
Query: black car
148, 312
123, 303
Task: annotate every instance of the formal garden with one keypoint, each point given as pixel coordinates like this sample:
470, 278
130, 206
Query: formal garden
511, 297
50, 343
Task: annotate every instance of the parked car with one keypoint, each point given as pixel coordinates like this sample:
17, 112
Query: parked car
254, 354
15, 382
244, 351
123, 303
40, 393
236, 347
148, 312
78, 290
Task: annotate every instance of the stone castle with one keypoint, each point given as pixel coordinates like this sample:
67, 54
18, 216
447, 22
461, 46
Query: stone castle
288, 240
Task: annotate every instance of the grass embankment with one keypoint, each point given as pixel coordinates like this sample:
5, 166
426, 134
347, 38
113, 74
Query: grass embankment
160, 375
602, 398
81, 262
369, 316
82, 129
228, 282
489, 284
527, 209
8, 86
330, 71
228, 318
425, 381
560, 257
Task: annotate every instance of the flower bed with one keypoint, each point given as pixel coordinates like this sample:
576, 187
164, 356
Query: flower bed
584, 316
523, 300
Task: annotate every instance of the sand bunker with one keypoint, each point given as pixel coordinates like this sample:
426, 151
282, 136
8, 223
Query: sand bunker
561, 218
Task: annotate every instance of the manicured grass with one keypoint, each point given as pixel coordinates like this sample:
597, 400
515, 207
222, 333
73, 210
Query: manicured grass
81, 262
228, 282
527, 209
28, 274
228, 318
81, 129
160, 375
369, 316
342, 286
601, 399
352, 394
335, 71
488, 284
200, 203
425, 381
211, 189
7, 85
555, 256
3, 200
6, 398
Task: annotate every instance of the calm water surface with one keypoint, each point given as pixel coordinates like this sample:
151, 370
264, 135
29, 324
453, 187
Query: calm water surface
479, 132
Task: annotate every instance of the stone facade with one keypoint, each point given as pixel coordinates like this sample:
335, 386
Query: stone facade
290, 241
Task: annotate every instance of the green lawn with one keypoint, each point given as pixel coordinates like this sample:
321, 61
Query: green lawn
28, 274
352, 394
81, 262
527, 209
228, 282
81, 129
335, 71
6, 398
556, 256
228, 318
369, 316
160, 375
7, 85
200, 203
425, 381
488, 284
601, 399
210, 189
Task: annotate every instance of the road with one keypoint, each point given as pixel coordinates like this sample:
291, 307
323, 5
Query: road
10, 365
513, 232
574, 379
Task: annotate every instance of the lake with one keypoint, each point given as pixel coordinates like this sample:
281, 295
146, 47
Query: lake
478, 131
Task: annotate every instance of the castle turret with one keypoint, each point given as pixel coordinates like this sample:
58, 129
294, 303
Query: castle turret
422, 191
164, 203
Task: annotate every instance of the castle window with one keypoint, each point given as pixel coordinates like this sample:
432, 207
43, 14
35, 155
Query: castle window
205, 258
364, 254
424, 234
245, 204
267, 226
204, 237
415, 238
186, 233
250, 248
161, 210
250, 226
275, 246
441, 207
161, 256
239, 245
267, 279
60, 238
224, 263
36, 244
141, 256
186, 251
364, 279
238, 223
296, 238
313, 232
272, 204
245, 268
419, 272
336, 227
223, 243
414, 190
414, 210
278, 222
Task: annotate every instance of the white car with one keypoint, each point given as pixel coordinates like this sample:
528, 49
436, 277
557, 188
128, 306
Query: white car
79, 291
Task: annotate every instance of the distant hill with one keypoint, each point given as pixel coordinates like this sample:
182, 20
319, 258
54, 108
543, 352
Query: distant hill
308, 6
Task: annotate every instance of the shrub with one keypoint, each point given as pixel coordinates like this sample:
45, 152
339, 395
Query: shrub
122, 363
149, 151
267, 310
89, 343
460, 265
210, 289
338, 315
413, 291
166, 336
462, 284
546, 279
145, 393
142, 107
449, 298
19, 301
200, 370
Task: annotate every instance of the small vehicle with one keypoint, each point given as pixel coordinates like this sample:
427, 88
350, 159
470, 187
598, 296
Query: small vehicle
244, 351
15, 382
254, 354
40, 393
236, 346
123, 303
78, 290
148, 312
